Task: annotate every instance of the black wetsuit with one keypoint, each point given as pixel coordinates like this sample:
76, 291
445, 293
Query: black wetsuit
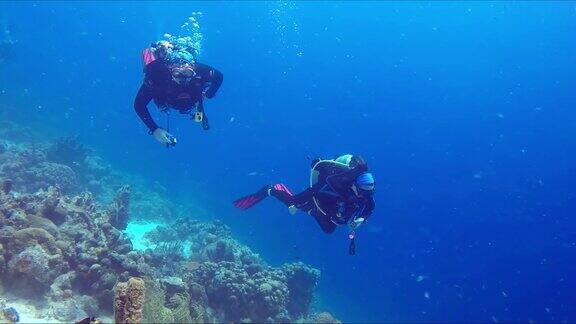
334, 194
159, 86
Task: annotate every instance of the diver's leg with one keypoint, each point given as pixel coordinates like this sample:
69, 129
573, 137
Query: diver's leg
303, 198
324, 221
282, 195
302, 201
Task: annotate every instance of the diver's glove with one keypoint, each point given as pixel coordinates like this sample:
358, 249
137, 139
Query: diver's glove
354, 224
162, 136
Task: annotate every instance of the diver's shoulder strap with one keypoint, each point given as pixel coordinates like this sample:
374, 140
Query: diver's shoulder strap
314, 171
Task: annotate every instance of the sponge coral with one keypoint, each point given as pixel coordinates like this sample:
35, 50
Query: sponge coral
129, 300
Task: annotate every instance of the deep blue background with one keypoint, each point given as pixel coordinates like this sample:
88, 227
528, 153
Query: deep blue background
464, 112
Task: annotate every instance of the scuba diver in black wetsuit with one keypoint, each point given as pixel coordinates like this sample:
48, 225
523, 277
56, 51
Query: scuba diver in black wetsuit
174, 82
341, 192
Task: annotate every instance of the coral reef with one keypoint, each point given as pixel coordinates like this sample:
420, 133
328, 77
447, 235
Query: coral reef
324, 318
67, 150
129, 300
118, 210
254, 291
155, 310
179, 304
29, 170
60, 248
6, 186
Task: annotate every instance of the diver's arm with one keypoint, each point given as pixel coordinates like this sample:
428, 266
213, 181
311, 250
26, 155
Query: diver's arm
368, 209
213, 77
143, 97
358, 214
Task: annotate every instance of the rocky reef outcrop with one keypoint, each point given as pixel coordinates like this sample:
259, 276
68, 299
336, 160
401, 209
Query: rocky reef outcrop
230, 279
62, 246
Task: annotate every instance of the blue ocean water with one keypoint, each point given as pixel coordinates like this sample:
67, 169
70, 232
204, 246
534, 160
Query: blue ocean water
463, 110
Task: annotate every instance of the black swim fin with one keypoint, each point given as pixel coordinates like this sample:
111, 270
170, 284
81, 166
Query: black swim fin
246, 202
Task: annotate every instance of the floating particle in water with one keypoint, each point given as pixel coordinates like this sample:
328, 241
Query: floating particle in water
494, 319
426, 295
477, 175
504, 294
253, 173
231, 120
421, 278
500, 116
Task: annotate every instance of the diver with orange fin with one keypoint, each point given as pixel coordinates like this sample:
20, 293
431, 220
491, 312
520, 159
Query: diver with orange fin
341, 192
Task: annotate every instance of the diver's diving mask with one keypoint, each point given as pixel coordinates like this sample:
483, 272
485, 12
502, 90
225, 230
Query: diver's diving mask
365, 183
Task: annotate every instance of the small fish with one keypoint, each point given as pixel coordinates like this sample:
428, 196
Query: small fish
253, 173
426, 295
88, 320
11, 314
421, 278
231, 119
